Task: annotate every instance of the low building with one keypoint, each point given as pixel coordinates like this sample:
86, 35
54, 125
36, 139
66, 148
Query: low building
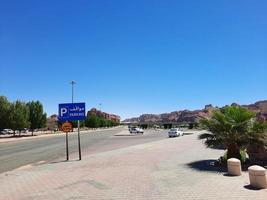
104, 115
52, 122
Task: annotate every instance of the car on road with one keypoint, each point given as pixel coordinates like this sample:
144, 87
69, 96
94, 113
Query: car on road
136, 130
175, 132
130, 127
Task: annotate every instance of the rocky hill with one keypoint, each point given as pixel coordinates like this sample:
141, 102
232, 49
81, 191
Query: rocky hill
260, 108
193, 116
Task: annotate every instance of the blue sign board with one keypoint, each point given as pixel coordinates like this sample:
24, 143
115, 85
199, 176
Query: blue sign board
71, 112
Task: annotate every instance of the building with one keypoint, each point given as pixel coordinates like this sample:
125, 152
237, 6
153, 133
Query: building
104, 115
52, 122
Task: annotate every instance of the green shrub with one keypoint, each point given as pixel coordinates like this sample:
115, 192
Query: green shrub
242, 153
243, 156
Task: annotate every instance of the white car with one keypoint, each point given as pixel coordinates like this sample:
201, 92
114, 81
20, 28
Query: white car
175, 132
140, 130
6, 131
136, 130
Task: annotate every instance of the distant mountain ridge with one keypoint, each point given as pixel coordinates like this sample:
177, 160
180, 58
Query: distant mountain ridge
260, 108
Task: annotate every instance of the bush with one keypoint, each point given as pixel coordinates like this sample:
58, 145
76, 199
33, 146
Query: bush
243, 158
93, 121
235, 128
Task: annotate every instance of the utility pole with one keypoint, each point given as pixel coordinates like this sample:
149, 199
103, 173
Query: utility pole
67, 137
72, 90
79, 140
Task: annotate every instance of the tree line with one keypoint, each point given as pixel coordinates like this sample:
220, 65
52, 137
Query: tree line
19, 115
94, 121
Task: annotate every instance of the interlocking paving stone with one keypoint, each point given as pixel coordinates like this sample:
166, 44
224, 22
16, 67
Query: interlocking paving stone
151, 171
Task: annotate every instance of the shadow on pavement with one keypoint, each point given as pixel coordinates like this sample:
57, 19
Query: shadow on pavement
206, 166
249, 187
63, 161
229, 175
188, 133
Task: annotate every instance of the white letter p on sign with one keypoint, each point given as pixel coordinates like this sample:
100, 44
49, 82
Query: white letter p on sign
63, 111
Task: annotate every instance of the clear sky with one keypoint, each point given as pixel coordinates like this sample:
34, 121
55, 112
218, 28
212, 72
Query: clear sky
134, 57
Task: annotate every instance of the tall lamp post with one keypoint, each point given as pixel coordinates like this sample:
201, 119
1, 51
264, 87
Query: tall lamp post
72, 90
72, 98
67, 137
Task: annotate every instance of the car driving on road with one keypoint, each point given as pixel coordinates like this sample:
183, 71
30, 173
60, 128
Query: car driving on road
175, 132
136, 130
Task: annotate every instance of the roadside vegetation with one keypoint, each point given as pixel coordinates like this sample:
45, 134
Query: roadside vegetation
93, 121
19, 117
235, 129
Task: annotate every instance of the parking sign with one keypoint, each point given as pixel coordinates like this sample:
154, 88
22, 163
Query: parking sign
71, 112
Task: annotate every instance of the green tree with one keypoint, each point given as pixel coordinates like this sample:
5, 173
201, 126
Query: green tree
82, 123
37, 117
75, 123
109, 123
4, 112
92, 121
233, 128
102, 122
19, 116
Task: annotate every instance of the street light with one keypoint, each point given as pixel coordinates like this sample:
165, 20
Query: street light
67, 137
79, 141
72, 84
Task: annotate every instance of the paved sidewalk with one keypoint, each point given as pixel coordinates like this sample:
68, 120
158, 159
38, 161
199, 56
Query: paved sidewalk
166, 169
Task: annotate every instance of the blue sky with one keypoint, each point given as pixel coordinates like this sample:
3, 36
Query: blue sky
134, 57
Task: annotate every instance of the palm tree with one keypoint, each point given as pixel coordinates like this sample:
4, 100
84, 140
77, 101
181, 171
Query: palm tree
234, 128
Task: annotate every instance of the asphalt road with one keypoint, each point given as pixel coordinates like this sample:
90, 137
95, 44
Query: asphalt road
52, 149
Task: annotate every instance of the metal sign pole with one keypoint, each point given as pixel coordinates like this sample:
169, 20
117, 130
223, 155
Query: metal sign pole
79, 141
67, 146
66, 127
72, 96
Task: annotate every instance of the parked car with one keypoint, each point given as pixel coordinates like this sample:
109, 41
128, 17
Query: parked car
175, 132
136, 130
3, 132
6, 131
24, 130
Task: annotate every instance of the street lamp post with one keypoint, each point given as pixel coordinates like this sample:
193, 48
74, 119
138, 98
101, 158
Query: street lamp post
72, 90
67, 137
100, 106
79, 141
